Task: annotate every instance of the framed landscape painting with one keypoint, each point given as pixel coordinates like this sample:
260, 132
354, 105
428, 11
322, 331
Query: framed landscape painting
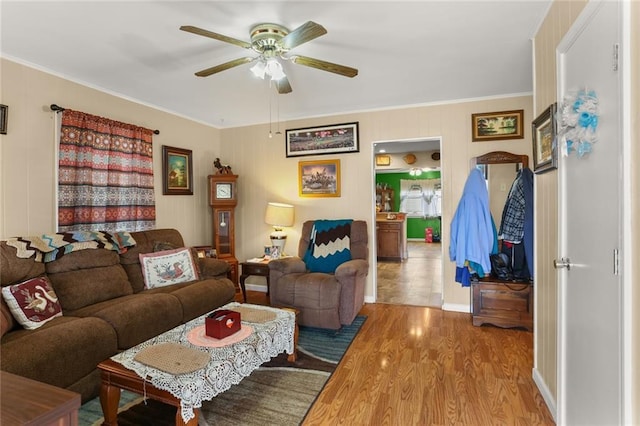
338, 138
177, 171
319, 178
491, 126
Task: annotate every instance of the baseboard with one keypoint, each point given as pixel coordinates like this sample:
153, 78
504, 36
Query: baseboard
256, 287
369, 299
455, 307
546, 394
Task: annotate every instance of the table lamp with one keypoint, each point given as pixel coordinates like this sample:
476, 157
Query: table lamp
279, 215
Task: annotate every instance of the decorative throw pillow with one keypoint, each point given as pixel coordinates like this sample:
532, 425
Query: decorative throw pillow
33, 302
168, 267
329, 245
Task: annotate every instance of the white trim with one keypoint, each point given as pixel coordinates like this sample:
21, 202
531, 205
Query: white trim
103, 90
628, 370
456, 307
545, 392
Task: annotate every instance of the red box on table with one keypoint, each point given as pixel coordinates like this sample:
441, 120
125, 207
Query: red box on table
222, 323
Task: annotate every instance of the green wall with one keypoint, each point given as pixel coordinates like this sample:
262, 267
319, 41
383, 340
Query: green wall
415, 226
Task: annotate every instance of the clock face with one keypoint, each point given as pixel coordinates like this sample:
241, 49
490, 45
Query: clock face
223, 191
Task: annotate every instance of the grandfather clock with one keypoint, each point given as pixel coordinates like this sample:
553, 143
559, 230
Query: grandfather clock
223, 200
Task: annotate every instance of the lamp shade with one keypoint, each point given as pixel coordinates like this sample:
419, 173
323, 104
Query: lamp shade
279, 215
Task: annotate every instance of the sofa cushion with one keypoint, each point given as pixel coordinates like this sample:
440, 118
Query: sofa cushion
329, 245
136, 317
86, 277
15, 269
200, 297
33, 302
168, 267
61, 352
7, 322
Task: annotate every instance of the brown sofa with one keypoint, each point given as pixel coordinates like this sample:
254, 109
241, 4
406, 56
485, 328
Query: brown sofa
325, 300
105, 309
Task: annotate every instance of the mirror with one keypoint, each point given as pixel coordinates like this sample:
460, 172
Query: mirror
499, 169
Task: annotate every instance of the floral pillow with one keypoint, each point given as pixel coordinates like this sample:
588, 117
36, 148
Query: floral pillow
168, 267
33, 302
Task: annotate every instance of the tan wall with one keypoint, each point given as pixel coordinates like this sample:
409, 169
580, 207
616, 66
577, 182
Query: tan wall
27, 152
558, 21
267, 175
28, 163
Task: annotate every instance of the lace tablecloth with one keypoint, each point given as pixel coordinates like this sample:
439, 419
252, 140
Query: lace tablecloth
228, 365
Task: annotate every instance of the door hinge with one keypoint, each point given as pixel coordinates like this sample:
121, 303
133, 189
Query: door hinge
616, 49
616, 262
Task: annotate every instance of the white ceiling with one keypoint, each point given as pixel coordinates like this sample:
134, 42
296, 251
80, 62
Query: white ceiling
407, 53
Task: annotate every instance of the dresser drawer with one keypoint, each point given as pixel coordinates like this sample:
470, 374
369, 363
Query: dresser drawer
504, 304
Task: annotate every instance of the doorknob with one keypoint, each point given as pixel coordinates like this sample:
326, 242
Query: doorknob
564, 262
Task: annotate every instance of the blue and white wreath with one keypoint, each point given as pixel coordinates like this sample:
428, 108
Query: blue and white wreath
578, 123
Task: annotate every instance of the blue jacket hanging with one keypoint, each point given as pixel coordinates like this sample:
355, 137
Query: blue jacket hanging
472, 229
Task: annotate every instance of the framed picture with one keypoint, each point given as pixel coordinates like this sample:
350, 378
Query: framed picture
3, 119
335, 139
545, 149
205, 252
319, 178
177, 171
491, 126
383, 160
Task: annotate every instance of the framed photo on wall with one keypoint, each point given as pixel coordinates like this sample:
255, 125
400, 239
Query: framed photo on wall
319, 178
338, 138
491, 126
545, 149
177, 171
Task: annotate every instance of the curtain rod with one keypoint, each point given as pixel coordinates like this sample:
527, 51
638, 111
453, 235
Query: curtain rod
57, 108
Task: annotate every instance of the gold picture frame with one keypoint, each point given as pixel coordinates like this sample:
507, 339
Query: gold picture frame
319, 178
491, 126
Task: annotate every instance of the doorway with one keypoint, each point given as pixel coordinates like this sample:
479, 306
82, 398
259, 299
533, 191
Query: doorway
415, 278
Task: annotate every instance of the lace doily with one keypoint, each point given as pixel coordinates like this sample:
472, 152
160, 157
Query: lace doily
228, 365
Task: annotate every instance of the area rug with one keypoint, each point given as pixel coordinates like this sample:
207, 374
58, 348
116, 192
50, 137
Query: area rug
278, 393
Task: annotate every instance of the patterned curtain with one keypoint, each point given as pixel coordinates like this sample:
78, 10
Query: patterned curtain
105, 175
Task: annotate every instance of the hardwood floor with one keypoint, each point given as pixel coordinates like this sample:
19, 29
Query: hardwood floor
415, 281
413, 365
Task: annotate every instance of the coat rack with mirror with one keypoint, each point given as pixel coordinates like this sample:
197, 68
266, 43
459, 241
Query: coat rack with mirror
504, 304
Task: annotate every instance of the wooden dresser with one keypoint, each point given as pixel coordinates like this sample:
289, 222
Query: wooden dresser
502, 303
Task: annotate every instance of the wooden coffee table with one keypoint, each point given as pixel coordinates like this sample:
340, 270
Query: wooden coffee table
116, 377
118, 373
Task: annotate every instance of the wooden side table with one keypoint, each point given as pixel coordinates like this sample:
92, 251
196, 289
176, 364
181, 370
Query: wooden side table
260, 269
29, 402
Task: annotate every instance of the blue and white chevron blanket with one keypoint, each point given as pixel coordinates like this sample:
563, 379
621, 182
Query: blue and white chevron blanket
49, 247
329, 245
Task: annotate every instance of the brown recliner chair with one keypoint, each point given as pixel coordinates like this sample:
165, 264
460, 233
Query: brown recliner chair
325, 300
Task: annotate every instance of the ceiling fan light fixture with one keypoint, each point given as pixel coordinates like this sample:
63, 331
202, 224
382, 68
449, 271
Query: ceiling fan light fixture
415, 171
259, 69
274, 69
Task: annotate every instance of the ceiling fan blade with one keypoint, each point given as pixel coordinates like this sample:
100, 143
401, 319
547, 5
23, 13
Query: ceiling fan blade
324, 65
210, 34
225, 66
283, 86
304, 33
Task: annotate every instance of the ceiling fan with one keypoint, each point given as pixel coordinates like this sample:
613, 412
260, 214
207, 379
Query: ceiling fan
273, 41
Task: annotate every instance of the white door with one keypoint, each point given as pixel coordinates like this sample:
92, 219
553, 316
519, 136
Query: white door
590, 349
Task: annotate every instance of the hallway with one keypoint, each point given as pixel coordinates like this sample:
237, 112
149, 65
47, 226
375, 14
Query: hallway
416, 281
